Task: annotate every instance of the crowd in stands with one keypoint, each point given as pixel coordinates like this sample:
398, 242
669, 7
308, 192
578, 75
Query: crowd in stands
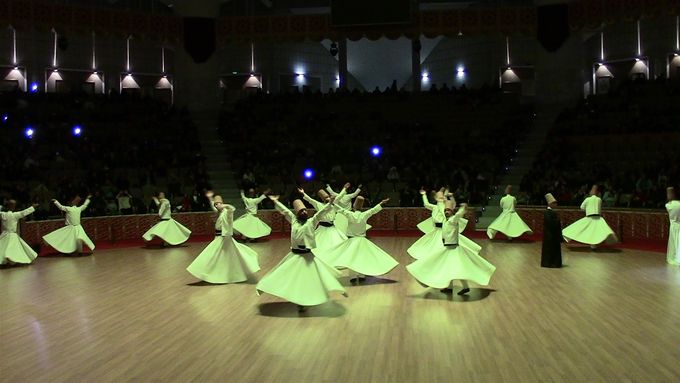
626, 140
456, 137
129, 148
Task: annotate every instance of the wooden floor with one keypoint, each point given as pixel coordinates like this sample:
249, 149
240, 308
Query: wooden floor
136, 315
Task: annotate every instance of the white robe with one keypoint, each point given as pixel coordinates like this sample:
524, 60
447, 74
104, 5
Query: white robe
224, 260
508, 222
249, 225
673, 252
12, 247
327, 234
71, 237
343, 200
301, 277
167, 229
357, 253
453, 261
591, 229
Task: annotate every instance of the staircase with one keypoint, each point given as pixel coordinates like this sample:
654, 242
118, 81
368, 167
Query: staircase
218, 165
521, 164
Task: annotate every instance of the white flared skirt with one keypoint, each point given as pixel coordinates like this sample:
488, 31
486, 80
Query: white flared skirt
510, 224
250, 226
225, 261
340, 222
14, 249
328, 237
438, 270
360, 255
302, 279
68, 239
590, 230
426, 226
673, 253
169, 230
431, 243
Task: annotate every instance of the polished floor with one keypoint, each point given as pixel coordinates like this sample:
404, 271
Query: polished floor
135, 314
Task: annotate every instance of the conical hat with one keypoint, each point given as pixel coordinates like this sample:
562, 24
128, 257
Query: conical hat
298, 205
439, 195
218, 198
322, 194
508, 189
450, 204
358, 203
549, 198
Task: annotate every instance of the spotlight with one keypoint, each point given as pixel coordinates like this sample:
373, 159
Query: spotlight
29, 132
308, 174
460, 72
425, 75
165, 76
376, 151
637, 59
5, 117
55, 70
34, 87
300, 75
77, 130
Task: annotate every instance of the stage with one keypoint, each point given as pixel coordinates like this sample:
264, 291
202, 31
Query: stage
136, 314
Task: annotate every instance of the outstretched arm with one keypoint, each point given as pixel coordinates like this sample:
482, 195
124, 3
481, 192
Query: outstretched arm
330, 191
375, 209
58, 205
25, 212
316, 218
86, 203
317, 205
426, 204
290, 217
259, 199
356, 192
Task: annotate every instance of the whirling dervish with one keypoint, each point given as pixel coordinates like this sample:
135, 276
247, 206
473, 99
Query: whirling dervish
224, 260
249, 225
70, 238
508, 222
13, 249
357, 253
167, 229
327, 234
591, 229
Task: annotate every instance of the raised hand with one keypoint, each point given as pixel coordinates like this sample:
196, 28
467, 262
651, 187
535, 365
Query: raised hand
89, 195
359, 187
386, 200
267, 191
210, 194
273, 197
422, 191
35, 205
301, 190
346, 186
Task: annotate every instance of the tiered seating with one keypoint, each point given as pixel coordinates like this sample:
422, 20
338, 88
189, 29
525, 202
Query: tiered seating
136, 144
462, 139
626, 141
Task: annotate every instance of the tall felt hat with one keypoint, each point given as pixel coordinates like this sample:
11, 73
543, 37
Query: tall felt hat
358, 203
508, 189
439, 195
670, 192
549, 198
450, 204
298, 205
217, 198
322, 195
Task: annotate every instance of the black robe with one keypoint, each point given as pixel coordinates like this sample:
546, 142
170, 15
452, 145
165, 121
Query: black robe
551, 252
